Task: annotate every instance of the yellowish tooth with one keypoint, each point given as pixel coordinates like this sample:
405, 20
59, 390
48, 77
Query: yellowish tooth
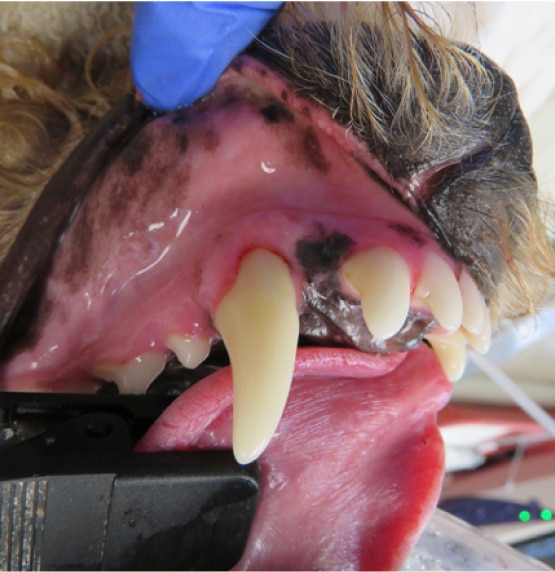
450, 350
191, 352
440, 289
259, 324
482, 341
474, 306
381, 278
134, 376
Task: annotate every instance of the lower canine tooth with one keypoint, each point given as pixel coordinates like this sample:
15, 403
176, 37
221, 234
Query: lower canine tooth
439, 287
450, 350
134, 376
381, 277
191, 352
259, 324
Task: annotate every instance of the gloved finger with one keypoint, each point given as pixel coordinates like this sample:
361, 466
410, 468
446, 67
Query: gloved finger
180, 49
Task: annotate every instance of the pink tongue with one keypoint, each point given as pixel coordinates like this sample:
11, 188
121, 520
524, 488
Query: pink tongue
355, 469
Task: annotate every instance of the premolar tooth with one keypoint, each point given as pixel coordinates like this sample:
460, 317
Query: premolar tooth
481, 342
450, 350
259, 324
474, 306
134, 376
190, 352
381, 278
439, 287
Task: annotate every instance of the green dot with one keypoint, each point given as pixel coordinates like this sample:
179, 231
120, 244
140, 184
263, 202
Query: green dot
524, 515
546, 514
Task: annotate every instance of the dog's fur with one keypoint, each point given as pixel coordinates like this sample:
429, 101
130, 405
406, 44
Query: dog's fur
63, 65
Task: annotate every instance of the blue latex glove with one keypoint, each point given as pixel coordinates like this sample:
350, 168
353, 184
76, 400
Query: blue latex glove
180, 49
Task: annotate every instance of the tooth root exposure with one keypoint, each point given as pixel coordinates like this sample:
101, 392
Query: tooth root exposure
259, 324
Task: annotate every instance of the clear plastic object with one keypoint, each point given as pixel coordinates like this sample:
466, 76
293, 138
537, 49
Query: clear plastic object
448, 543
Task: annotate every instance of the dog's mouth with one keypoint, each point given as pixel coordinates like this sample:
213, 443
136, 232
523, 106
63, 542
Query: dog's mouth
253, 222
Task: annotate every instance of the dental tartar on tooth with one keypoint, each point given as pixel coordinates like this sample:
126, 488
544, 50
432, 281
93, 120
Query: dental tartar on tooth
382, 279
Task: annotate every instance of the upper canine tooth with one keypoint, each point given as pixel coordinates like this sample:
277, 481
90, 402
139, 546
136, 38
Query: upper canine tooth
259, 324
474, 305
450, 350
381, 278
439, 287
191, 352
135, 375
481, 342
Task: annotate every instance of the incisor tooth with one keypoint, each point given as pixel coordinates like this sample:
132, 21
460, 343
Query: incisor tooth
259, 324
474, 307
450, 350
190, 352
481, 342
134, 376
439, 288
381, 278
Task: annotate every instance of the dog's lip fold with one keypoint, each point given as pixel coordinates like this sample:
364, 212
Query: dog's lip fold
29, 259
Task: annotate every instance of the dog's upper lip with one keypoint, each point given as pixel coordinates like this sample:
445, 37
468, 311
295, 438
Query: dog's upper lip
30, 257
313, 158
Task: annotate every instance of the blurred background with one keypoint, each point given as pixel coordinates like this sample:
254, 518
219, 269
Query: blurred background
500, 461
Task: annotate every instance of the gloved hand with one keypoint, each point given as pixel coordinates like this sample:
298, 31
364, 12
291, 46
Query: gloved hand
180, 49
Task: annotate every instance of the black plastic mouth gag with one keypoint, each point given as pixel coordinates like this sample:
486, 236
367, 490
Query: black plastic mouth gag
74, 496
